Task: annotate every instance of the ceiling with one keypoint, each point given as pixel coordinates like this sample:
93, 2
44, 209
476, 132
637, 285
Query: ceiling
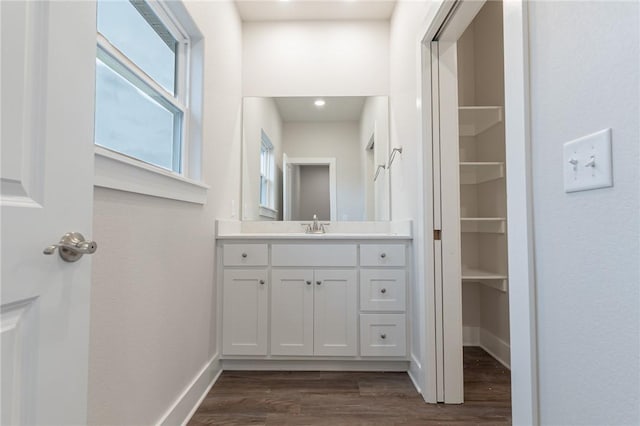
345, 108
315, 10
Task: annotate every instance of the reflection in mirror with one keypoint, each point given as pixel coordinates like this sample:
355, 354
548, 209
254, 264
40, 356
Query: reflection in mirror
310, 155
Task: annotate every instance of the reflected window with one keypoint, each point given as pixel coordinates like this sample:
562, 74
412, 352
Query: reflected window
267, 171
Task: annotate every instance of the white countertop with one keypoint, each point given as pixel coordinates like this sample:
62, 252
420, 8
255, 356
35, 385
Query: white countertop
304, 236
236, 230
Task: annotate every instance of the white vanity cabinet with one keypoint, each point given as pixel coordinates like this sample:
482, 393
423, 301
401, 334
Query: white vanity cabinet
314, 312
302, 300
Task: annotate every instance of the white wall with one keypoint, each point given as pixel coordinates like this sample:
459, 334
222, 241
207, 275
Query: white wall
315, 58
338, 139
375, 121
407, 28
259, 114
585, 77
153, 304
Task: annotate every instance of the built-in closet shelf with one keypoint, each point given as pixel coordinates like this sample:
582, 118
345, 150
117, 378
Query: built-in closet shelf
479, 172
494, 225
473, 120
490, 279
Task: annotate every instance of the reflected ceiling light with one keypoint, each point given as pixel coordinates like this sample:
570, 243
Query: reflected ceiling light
319, 102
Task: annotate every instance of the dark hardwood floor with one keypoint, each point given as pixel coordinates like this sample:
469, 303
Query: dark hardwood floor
354, 398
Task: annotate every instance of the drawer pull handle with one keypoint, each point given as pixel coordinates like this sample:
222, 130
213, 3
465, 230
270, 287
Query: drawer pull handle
244, 254
308, 282
318, 282
383, 336
383, 291
261, 282
383, 255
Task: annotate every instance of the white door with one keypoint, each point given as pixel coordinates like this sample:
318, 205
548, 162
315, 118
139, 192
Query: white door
245, 298
48, 61
335, 313
292, 312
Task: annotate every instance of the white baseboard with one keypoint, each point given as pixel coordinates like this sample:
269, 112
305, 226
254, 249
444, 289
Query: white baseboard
414, 372
492, 344
191, 397
470, 336
496, 347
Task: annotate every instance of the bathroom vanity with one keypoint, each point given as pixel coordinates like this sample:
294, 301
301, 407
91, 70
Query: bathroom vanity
292, 300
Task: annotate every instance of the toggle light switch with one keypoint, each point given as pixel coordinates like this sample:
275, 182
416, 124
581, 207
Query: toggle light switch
587, 162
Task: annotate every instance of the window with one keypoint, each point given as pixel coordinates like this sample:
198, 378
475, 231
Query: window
142, 83
267, 171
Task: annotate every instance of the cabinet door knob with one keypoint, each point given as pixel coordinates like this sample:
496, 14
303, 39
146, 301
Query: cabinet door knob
318, 282
383, 336
261, 282
244, 254
383, 291
308, 282
383, 255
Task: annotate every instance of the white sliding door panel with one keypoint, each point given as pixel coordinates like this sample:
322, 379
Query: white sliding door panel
450, 203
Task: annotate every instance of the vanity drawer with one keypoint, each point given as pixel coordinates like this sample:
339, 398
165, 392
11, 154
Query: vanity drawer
245, 255
382, 290
383, 335
313, 255
382, 255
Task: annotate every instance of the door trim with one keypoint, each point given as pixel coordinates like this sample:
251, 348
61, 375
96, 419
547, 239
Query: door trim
522, 290
333, 186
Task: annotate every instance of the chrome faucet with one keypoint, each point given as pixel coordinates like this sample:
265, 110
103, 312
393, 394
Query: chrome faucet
315, 227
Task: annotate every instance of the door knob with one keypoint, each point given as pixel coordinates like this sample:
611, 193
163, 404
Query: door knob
72, 247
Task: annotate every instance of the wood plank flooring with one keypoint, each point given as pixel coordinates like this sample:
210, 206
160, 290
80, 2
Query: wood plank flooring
354, 398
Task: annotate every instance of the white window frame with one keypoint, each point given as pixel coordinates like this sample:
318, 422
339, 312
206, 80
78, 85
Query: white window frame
268, 177
116, 170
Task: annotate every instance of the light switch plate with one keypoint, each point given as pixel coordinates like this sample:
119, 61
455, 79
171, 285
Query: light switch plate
587, 162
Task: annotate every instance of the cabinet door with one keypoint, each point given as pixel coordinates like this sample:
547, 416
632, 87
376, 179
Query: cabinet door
335, 313
245, 298
292, 312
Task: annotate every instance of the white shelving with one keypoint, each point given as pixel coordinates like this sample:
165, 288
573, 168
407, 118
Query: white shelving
494, 225
473, 120
491, 279
472, 173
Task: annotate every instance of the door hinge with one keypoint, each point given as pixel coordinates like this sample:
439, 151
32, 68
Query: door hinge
437, 234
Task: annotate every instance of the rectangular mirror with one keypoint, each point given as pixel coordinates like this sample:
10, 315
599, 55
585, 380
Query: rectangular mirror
315, 155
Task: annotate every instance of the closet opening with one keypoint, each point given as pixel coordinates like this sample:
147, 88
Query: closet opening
465, 125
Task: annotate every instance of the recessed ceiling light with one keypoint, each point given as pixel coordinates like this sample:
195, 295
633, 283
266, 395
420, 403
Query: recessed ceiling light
319, 102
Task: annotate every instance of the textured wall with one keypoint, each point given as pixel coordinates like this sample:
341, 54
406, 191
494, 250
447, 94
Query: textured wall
153, 297
584, 78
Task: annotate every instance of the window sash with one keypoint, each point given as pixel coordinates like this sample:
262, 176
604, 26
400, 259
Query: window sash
177, 104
